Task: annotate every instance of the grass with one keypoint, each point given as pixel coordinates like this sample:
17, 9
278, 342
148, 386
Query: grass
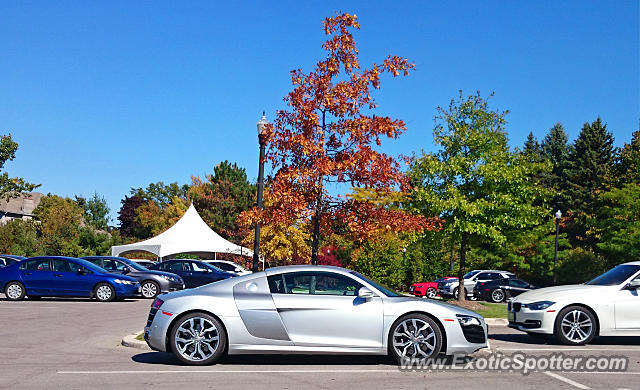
492, 310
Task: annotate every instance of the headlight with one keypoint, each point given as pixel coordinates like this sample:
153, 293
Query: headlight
169, 278
465, 320
122, 281
538, 305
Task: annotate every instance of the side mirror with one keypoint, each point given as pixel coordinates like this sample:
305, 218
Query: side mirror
126, 271
634, 284
81, 271
365, 293
237, 270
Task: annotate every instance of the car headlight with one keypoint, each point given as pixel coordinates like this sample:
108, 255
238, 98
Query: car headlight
465, 320
169, 278
538, 305
122, 281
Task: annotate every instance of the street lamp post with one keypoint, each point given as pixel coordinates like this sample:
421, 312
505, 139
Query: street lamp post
262, 141
555, 254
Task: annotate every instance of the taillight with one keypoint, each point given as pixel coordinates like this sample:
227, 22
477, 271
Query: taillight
157, 303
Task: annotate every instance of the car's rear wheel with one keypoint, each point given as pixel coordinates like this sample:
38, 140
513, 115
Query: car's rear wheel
431, 292
198, 339
497, 295
149, 289
575, 325
104, 292
14, 291
415, 336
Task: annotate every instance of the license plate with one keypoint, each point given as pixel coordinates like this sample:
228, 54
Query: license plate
511, 316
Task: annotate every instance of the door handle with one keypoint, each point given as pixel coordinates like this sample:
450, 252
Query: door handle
58, 275
27, 273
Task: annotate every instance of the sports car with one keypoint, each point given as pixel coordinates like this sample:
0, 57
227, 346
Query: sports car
309, 310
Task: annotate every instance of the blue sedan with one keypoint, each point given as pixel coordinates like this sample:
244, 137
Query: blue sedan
194, 273
55, 276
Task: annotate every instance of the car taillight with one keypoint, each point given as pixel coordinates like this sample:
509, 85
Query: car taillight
157, 303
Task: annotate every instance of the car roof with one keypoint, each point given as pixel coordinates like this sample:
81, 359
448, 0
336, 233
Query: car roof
306, 267
16, 257
631, 263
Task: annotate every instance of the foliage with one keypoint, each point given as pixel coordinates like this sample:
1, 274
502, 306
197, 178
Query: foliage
629, 168
161, 194
96, 211
20, 238
579, 265
326, 140
154, 219
475, 182
11, 186
381, 260
282, 244
222, 197
129, 227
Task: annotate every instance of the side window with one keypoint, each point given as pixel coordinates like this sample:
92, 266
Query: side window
225, 266
335, 284
483, 276
177, 266
36, 265
97, 262
518, 283
298, 283
113, 265
60, 265
276, 284
197, 267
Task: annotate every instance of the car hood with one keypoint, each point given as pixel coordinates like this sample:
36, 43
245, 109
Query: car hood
453, 309
556, 292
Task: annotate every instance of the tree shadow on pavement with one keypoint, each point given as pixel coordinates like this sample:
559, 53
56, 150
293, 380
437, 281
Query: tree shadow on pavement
163, 358
523, 338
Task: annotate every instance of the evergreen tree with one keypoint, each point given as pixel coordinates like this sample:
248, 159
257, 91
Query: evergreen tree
629, 167
556, 150
532, 149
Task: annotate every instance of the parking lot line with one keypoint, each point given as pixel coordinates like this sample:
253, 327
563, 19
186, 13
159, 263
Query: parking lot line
566, 380
568, 349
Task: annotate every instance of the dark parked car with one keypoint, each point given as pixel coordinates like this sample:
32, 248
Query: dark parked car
56, 276
194, 273
6, 260
501, 289
152, 282
145, 263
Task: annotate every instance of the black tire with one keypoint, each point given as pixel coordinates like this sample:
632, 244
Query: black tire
149, 289
455, 293
104, 292
199, 358
575, 315
497, 295
396, 341
15, 291
431, 293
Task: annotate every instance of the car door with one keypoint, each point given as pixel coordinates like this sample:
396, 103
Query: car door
74, 278
203, 275
38, 277
114, 266
179, 268
323, 309
627, 308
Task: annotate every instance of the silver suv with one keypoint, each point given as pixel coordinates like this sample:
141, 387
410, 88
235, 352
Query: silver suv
449, 287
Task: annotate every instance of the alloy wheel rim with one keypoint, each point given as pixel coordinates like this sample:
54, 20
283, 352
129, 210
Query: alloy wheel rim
497, 295
103, 293
14, 291
414, 338
431, 293
197, 339
576, 326
149, 290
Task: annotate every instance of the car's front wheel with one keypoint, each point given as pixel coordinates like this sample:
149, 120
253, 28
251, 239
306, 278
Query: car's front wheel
104, 292
14, 291
415, 336
575, 325
149, 289
198, 339
431, 292
497, 295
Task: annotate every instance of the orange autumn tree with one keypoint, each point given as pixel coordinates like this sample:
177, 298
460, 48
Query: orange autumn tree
324, 141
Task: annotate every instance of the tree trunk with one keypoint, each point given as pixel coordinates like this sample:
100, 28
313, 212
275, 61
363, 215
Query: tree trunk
316, 230
462, 296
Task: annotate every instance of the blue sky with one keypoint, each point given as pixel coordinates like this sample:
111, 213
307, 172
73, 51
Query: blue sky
108, 95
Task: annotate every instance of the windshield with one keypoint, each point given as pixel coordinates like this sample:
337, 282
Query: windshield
133, 264
90, 266
470, 274
615, 275
210, 266
385, 290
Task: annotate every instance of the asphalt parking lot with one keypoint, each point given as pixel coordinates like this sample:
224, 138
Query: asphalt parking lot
74, 343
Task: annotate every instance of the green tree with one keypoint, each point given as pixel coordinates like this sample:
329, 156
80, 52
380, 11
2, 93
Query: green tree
532, 149
60, 220
629, 167
11, 186
222, 197
162, 194
382, 260
556, 150
96, 211
475, 182
20, 238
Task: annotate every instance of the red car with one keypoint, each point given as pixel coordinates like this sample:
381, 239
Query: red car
427, 289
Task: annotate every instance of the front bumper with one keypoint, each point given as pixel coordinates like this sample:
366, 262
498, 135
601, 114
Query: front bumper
466, 341
127, 290
167, 286
536, 321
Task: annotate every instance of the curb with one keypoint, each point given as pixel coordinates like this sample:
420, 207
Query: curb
131, 342
496, 321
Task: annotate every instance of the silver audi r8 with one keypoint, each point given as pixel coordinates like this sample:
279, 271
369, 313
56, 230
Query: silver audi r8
309, 310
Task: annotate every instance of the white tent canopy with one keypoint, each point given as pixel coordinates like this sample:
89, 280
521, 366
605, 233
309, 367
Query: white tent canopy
189, 235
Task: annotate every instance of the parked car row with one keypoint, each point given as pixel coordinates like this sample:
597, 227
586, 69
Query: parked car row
105, 278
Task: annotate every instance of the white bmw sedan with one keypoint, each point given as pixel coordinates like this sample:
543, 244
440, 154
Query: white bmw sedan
308, 310
608, 305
